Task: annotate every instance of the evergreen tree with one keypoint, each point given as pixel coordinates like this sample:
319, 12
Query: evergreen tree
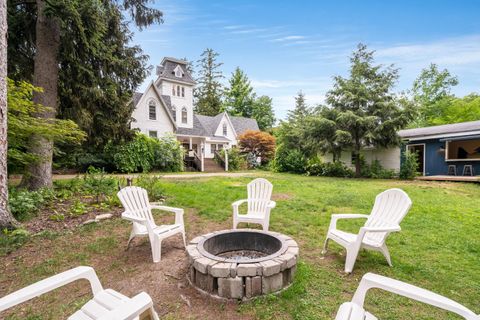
301, 108
262, 111
239, 96
367, 111
209, 91
76, 52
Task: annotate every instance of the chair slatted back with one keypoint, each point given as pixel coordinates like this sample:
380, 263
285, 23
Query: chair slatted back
390, 207
259, 194
136, 203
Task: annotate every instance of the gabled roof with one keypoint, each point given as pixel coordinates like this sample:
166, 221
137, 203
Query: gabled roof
168, 66
164, 101
205, 126
456, 129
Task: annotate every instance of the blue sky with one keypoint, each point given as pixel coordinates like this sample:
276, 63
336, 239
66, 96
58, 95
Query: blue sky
287, 46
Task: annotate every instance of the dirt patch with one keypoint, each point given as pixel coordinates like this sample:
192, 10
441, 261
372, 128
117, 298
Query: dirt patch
127, 271
282, 196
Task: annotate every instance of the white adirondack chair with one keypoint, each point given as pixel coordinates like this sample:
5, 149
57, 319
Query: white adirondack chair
106, 304
259, 204
354, 310
138, 210
389, 209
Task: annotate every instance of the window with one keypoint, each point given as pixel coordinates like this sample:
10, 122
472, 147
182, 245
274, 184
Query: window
213, 148
220, 147
152, 110
178, 72
184, 115
463, 150
354, 158
178, 91
153, 134
173, 90
183, 92
174, 113
224, 129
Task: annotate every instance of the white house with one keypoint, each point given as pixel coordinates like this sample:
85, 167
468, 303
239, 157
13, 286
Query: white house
166, 107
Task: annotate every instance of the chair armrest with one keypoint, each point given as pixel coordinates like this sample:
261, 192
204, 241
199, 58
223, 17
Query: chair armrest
336, 217
51, 283
178, 212
272, 204
239, 202
127, 216
371, 280
131, 309
381, 229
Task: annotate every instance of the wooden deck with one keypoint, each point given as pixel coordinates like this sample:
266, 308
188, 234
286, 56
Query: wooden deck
451, 178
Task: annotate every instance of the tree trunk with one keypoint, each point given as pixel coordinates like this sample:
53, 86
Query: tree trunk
45, 76
6, 218
358, 167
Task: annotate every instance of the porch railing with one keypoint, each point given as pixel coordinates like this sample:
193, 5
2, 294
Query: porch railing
192, 160
220, 160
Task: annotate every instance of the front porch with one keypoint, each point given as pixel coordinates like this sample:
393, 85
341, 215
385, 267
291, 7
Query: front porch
201, 152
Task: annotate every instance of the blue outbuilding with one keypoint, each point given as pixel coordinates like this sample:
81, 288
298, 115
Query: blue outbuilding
446, 150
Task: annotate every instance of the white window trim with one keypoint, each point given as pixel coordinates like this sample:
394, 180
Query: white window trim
148, 109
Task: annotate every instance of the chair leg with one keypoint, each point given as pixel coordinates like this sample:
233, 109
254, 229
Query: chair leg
384, 250
265, 226
352, 254
235, 224
132, 235
184, 239
156, 249
325, 246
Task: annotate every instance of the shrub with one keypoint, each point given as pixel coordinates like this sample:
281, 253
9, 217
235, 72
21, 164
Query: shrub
12, 240
98, 184
143, 154
258, 143
409, 167
376, 171
289, 160
153, 186
236, 161
329, 169
24, 204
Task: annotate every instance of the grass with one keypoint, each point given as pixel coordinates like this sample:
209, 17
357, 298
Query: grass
438, 248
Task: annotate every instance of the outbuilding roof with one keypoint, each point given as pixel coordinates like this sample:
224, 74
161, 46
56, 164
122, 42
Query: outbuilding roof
441, 131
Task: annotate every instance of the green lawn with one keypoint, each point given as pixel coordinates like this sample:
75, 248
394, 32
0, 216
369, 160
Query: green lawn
438, 247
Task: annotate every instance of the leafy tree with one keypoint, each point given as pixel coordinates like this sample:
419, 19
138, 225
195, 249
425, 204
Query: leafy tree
263, 112
239, 96
71, 41
368, 113
6, 218
459, 110
260, 144
208, 94
301, 108
23, 124
431, 91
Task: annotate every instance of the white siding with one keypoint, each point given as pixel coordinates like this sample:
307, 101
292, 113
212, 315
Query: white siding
162, 124
389, 158
166, 88
230, 131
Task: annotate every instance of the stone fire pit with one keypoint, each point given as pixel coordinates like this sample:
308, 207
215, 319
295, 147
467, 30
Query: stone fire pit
241, 264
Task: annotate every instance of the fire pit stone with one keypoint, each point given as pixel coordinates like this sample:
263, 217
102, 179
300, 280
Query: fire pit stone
241, 264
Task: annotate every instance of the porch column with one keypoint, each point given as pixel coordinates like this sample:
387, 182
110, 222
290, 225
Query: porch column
202, 155
226, 159
190, 143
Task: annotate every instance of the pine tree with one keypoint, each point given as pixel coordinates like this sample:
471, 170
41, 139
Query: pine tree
301, 108
367, 112
239, 96
209, 91
263, 112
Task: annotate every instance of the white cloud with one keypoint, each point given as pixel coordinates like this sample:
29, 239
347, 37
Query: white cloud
288, 38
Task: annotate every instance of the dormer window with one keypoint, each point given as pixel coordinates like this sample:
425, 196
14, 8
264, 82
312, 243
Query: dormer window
152, 110
184, 115
224, 129
178, 72
174, 113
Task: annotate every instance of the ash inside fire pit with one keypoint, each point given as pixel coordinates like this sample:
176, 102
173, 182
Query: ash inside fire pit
242, 254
